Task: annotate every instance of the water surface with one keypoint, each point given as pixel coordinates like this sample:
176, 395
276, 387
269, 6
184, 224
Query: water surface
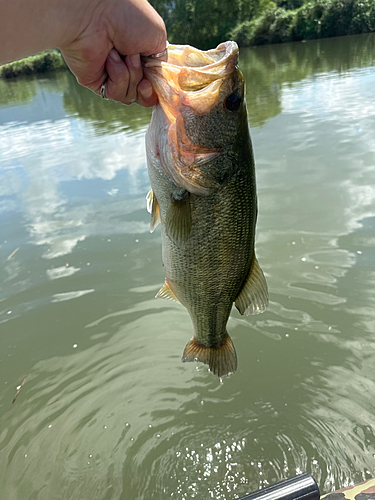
107, 410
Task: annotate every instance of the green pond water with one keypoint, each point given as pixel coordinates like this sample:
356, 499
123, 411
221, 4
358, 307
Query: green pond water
108, 411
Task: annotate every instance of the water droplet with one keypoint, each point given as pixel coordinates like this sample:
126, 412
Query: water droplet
50, 425
75, 345
303, 259
9, 312
137, 241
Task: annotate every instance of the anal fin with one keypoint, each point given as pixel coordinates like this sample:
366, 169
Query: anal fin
166, 292
154, 209
222, 360
253, 298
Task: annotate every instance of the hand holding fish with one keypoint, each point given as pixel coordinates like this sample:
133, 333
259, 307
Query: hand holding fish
91, 34
130, 27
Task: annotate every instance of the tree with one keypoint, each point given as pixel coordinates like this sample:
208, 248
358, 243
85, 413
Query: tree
204, 23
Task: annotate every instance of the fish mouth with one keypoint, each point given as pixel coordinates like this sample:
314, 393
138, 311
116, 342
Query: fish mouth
197, 80
191, 77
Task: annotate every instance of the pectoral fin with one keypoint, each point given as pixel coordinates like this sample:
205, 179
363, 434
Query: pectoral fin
253, 298
222, 360
154, 209
178, 220
166, 292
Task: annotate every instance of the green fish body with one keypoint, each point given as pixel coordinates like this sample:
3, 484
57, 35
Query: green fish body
201, 168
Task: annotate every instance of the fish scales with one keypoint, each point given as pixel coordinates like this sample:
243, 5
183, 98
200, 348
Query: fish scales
201, 169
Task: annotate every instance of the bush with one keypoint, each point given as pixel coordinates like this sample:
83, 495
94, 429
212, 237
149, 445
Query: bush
242, 33
307, 24
273, 26
49, 60
363, 18
316, 19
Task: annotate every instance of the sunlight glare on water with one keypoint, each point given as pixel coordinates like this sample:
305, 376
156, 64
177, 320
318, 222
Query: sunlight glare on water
107, 410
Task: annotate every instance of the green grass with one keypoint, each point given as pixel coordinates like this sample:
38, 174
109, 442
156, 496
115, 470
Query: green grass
49, 60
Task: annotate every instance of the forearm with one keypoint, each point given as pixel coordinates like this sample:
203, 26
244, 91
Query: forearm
29, 26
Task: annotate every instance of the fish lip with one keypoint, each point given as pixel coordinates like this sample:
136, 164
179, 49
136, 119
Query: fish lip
221, 54
189, 71
197, 81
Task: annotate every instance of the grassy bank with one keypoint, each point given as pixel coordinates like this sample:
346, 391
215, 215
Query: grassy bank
317, 19
49, 60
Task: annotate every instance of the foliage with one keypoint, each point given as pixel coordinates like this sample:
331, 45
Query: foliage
49, 60
327, 18
289, 4
273, 26
315, 19
205, 23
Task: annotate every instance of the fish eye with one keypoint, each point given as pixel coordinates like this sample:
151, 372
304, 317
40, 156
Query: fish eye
233, 102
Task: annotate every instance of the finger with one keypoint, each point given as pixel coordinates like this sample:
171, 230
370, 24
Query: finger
133, 64
146, 94
95, 85
118, 77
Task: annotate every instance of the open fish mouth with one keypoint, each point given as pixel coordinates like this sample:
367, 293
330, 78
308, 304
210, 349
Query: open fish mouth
196, 81
192, 77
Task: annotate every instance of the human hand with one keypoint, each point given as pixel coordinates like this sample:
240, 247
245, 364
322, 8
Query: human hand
113, 27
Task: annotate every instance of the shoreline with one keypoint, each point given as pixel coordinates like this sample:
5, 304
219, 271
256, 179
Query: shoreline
44, 62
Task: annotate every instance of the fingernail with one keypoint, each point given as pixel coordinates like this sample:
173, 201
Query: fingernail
146, 91
136, 61
113, 54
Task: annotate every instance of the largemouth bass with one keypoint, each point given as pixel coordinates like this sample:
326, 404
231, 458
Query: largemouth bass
201, 168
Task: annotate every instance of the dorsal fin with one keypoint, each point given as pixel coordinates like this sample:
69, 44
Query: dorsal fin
166, 292
154, 209
253, 298
178, 220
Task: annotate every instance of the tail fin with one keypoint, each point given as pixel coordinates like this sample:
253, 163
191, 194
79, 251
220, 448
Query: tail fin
221, 360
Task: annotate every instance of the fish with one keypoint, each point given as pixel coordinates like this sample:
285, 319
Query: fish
203, 194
